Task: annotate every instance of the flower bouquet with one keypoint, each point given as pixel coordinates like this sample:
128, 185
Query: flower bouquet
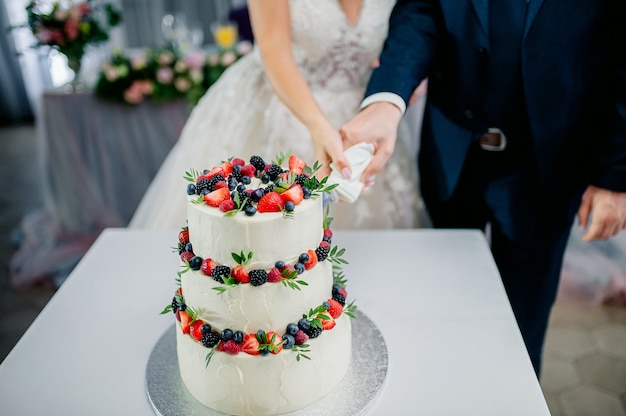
163, 74
70, 29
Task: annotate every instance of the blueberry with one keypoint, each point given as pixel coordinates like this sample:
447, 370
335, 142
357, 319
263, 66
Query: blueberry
327, 239
250, 210
238, 337
264, 351
304, 257
299, 267
241, 188
289, 206
288, 341
306, 192
265, 178
257, 194
195, 262
260, 334
292, 329
237, 168
336, 289
188, 247
326, 305
280, 264
205, 328
191, 189
204, 192
304, 324
204, 172
232, 183
227, 334
245, 180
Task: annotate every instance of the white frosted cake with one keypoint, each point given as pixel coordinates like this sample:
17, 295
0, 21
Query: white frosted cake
263, 323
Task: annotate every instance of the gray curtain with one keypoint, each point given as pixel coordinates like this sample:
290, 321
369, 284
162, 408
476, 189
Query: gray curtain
142, 18
14, 103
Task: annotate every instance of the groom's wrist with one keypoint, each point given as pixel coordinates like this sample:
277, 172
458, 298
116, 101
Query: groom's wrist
386, 97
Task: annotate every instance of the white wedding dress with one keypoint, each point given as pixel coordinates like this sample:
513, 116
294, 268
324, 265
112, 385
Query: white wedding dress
240, 116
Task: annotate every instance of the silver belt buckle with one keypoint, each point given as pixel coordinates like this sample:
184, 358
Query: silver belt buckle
493, 148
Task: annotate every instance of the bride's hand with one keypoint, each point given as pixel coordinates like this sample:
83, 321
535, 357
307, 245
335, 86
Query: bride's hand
328, 147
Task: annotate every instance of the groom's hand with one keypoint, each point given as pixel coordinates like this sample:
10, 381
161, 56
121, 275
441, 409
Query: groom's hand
608, 213
376, 124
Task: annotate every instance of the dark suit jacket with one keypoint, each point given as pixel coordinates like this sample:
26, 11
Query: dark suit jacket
573, 60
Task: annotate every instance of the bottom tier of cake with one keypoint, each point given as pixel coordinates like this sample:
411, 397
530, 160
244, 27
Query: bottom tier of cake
244, 384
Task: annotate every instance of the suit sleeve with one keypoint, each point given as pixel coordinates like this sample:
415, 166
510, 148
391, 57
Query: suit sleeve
409, 49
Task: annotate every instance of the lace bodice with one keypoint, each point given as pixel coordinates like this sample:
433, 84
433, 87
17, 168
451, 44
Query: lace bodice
331, 53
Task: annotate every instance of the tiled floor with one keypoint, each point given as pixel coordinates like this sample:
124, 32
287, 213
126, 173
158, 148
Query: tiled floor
585, 354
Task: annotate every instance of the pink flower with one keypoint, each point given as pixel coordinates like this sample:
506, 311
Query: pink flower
146, 86
133, 94
165, 75
243, 47
195, 60
228, 58
49, 37
71, 28
182, 84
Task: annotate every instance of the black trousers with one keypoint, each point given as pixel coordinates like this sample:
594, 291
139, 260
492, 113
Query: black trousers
527, 243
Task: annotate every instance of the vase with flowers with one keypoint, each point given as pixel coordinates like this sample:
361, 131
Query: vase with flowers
70, 28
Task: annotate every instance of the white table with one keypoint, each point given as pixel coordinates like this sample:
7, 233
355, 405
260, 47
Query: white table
454, 347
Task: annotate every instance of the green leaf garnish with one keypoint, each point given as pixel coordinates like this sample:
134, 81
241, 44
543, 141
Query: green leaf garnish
350, 309
208, 357
242, 258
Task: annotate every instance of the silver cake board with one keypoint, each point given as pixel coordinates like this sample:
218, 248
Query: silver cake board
353, 396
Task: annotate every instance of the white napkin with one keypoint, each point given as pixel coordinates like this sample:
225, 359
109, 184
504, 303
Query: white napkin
349, 190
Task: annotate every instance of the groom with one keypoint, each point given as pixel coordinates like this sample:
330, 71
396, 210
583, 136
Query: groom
526, 114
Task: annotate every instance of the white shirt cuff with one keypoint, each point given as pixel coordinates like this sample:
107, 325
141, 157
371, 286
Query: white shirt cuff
386, 97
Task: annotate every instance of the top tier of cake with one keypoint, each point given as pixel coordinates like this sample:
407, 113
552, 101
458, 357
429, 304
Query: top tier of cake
269, 236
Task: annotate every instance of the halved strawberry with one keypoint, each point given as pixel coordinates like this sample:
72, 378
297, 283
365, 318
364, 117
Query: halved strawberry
238, 162
248, 170
312, 259
274, 275
270, 202
195, 329
183, 236
240, 274
295, 164
275, 342
250, 345
185, 320
228, 168
215, 171
220, 184
293, 194
216, 197
328, 323
335, 309
207, 266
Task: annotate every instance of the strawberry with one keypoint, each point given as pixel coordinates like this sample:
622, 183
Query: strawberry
293, 194
250, 345
196, 329
238, 162
220, 184
276, 342
228, 168
185, 256
301, 337
312, 259
240, 274
248, 170
215, 171
335, 309
227, 205
231, 347
325, 244
328, 323
183, 236
328, 233
178, 316
185, 320
270, 202
216, 197
296, 165
207, 266
274, 275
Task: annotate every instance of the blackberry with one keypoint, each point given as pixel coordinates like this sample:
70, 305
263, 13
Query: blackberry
258, 163
313, 332
210, 339
269, 188
322, 253
181, 248
340, 298
301, 179
215, 179
202, 183
175, 306
258, 277
219, 272
236, 173
273, 171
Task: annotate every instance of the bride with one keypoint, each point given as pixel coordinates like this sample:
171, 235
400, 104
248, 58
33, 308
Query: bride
304, 79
